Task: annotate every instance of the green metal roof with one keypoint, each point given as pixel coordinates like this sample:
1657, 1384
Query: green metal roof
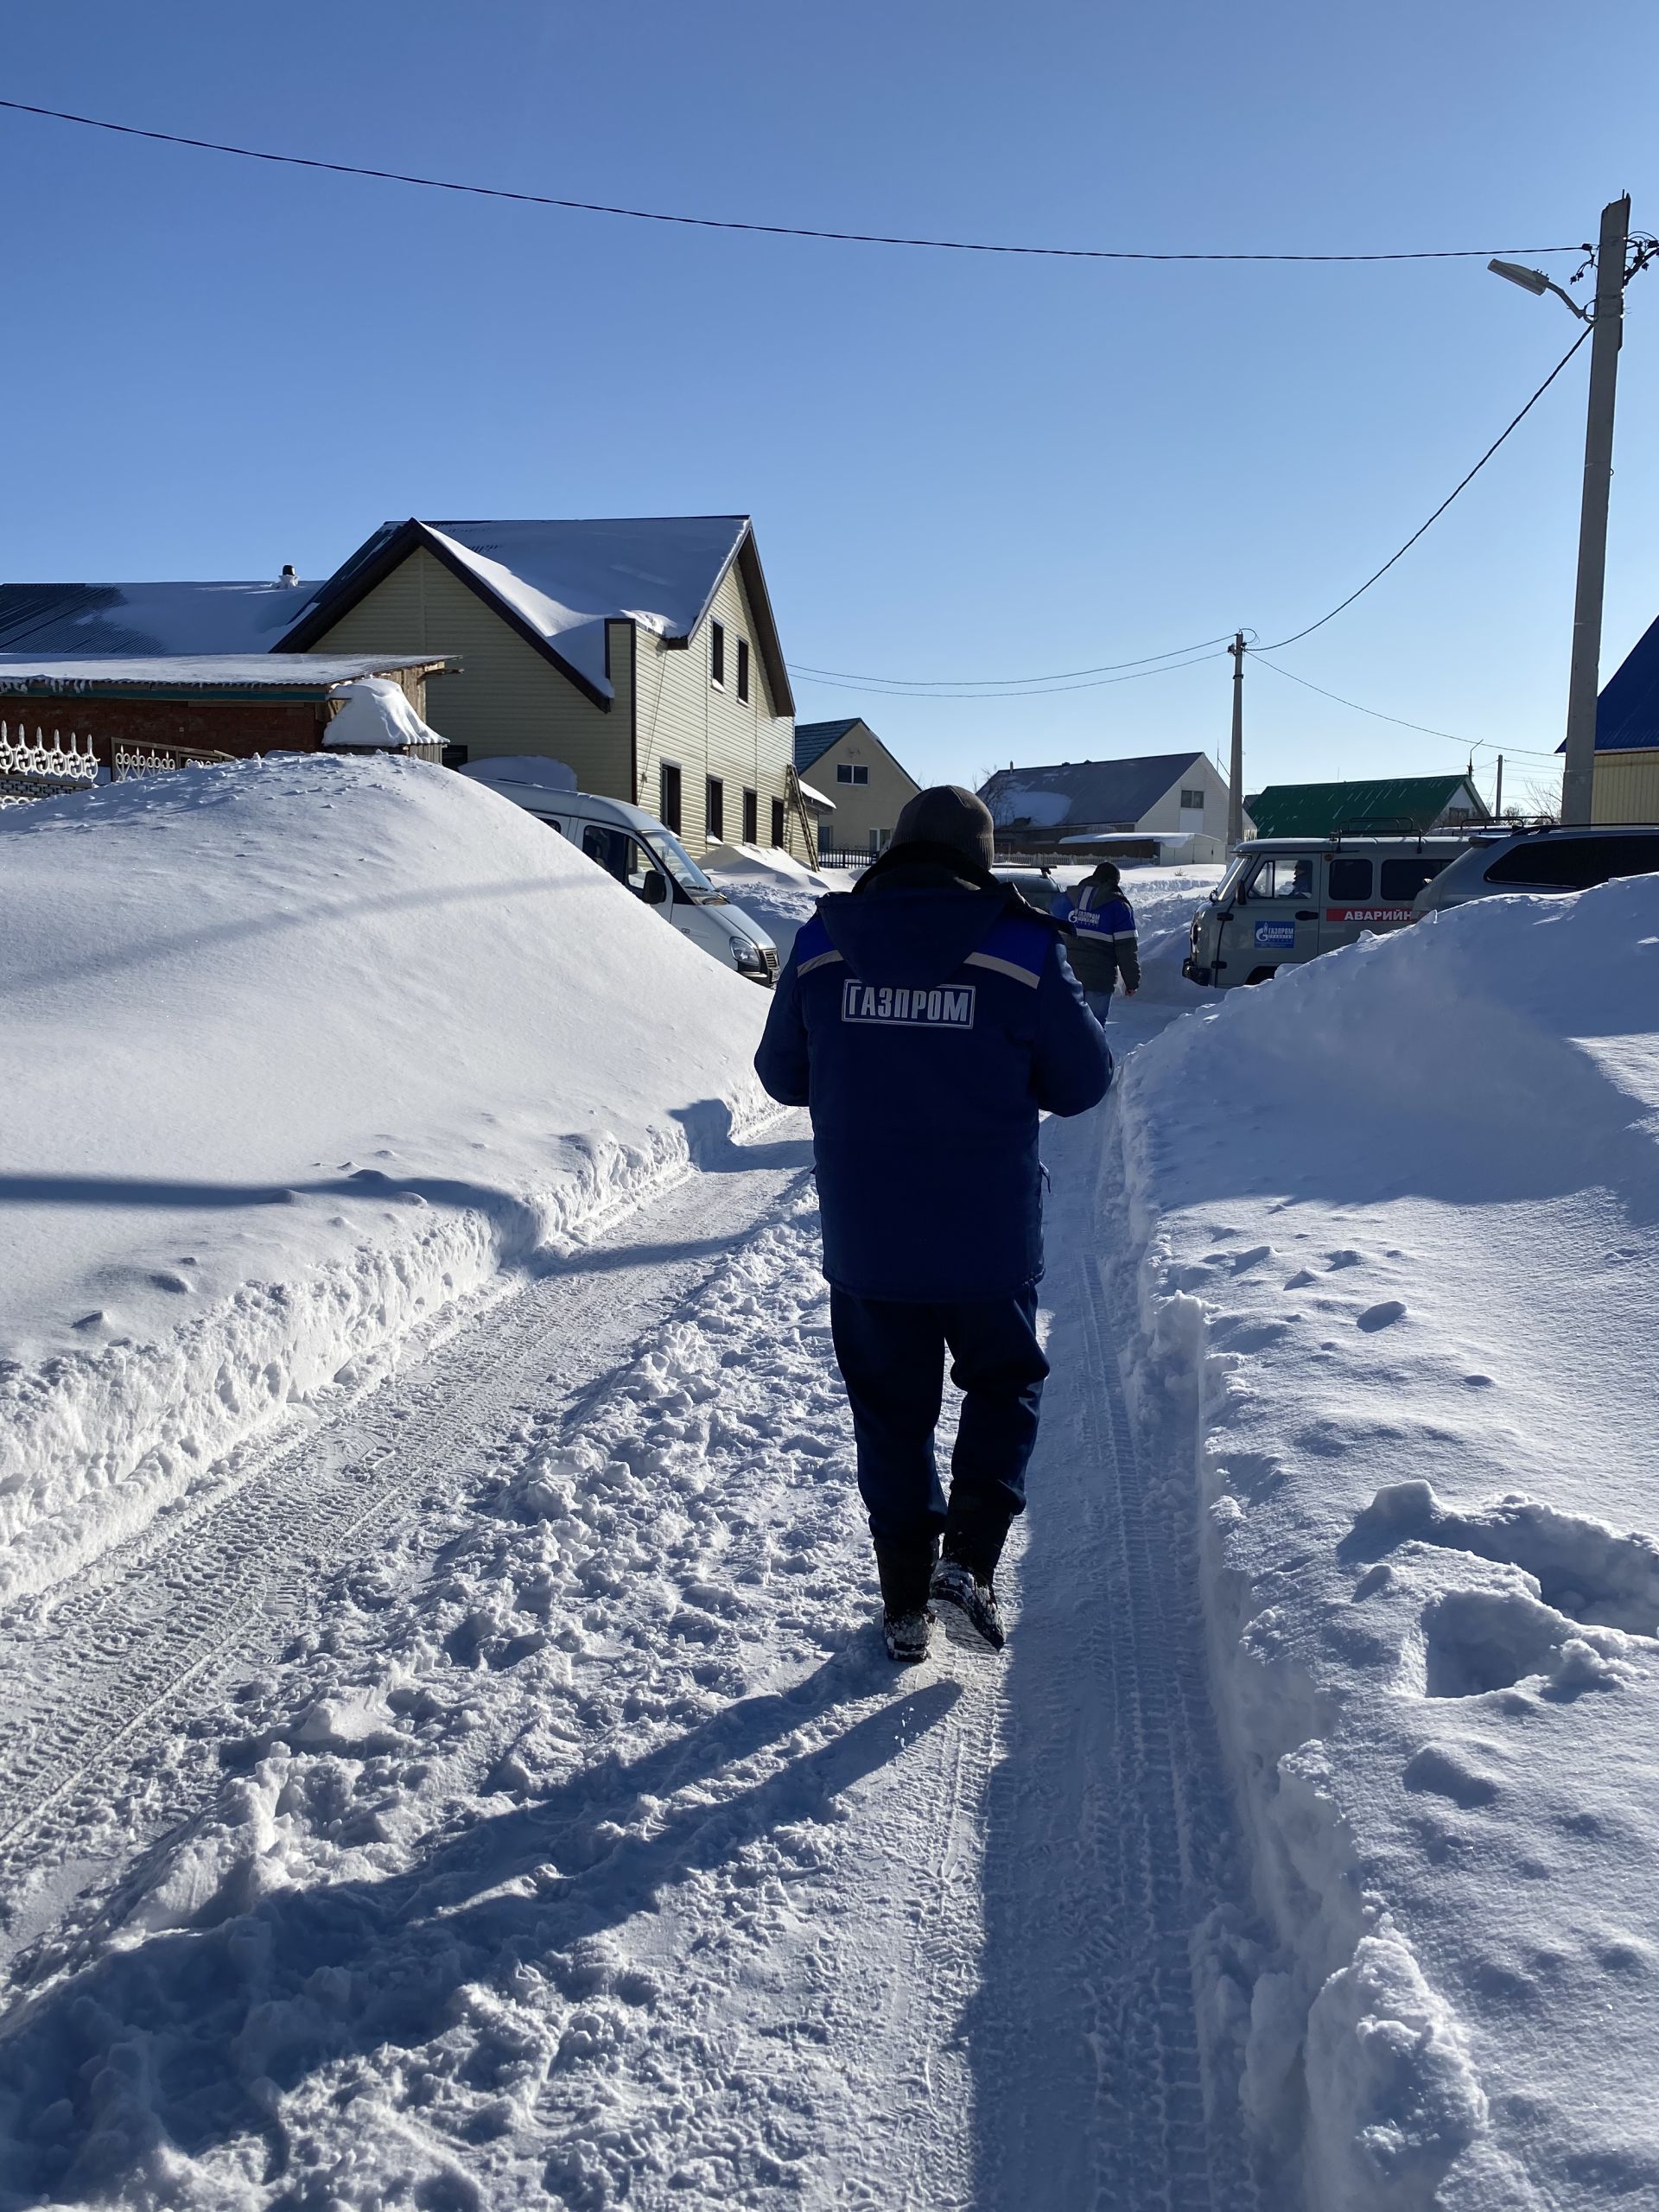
1404, 805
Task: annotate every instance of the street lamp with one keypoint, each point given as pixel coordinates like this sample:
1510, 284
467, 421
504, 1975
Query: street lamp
1605, 318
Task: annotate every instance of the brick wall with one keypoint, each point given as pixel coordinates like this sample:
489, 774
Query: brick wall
242, 727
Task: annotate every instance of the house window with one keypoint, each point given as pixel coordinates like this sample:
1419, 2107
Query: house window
851, 771
1194, 800
777, 822
751, 819
717, 654
668, 797
714, 810
743, 669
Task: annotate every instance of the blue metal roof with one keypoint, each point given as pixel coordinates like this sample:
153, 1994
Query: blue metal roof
1627, 713
87, 621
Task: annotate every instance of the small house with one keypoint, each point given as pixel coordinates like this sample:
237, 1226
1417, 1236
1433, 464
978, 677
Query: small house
866, 786
1163, 806
1626, 787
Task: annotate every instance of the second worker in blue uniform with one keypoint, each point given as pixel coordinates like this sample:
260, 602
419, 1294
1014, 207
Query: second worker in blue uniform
926, 1019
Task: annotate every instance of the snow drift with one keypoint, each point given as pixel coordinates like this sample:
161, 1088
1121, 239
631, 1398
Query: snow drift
1398, 1218
298, 1051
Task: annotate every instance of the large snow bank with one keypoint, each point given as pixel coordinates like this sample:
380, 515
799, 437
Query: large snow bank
296, 1052
771, 887
1399, 1217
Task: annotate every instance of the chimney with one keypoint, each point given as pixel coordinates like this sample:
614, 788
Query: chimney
290, 574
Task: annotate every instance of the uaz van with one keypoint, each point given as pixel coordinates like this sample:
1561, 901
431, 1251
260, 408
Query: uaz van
1286, 900
636, 848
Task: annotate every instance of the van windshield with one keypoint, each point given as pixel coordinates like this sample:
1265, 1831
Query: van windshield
689, 879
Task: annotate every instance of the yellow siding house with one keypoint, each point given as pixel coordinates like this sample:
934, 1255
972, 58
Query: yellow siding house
1626, 787
641, 652
848, 762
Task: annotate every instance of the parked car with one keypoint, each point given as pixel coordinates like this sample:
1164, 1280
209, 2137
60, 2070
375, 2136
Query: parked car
1286, 900
640, 852
1543, 859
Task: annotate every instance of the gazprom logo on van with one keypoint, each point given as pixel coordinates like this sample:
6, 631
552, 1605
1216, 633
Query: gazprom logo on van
940, 1007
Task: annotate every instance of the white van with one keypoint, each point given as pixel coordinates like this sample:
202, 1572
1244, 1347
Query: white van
635, 848
1286, 900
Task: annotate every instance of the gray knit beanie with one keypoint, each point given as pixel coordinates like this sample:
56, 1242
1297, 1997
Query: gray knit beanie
949, 815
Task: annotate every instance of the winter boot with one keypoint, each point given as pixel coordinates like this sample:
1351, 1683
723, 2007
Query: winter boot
973, 1534
904, 1570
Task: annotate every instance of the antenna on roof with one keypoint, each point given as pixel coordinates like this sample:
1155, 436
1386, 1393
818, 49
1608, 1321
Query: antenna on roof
290, 575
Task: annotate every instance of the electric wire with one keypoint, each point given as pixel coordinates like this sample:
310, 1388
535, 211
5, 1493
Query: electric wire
1002, 684
1296, 637
1473, 745
718, 223
1037, 691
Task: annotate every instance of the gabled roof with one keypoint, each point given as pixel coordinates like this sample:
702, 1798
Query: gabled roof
1083, 794
812, 740
558, 583
1627, 713
1402, 805
85, 621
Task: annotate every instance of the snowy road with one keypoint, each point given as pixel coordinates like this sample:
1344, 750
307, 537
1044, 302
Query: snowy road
499, 1796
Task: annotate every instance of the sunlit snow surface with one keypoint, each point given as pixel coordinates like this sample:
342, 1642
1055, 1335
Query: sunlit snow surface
1400, 1218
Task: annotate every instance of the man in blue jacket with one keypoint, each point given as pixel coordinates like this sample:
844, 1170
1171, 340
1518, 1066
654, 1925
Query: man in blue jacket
1105, 947
927, 1018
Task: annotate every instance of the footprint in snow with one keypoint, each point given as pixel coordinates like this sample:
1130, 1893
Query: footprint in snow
1381, 1317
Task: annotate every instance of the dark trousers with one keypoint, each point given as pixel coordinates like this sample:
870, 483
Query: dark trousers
892, 1356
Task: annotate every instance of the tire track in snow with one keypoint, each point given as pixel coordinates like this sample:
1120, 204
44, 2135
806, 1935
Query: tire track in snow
1109, 1829
118, 1646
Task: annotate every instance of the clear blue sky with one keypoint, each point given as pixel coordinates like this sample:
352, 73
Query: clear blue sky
958, 466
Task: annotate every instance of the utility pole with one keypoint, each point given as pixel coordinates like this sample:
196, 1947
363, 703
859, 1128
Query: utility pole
1583, 681
1236, 758
1497, 797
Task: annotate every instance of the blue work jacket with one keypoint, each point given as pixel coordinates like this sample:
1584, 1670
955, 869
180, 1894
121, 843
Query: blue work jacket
925, 1029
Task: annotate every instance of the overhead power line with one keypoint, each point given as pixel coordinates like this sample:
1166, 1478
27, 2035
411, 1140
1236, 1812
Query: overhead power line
1036, 691
1001, 682
720, 223
1296, 637
1473, 745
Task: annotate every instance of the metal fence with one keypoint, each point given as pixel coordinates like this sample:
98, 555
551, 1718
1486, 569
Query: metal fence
161, 759
39, 767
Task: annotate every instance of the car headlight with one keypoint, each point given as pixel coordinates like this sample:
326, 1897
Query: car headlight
747, 954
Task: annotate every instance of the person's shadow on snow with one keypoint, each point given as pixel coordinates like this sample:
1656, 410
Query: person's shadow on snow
189, 2037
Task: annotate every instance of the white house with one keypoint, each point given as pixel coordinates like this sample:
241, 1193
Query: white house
1168, 806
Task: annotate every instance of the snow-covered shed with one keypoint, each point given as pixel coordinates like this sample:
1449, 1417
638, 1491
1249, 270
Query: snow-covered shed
868, 784
1156, 806
236, 703
643, 651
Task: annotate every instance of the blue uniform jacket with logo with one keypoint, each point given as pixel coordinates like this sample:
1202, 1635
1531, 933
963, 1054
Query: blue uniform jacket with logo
925, 1029
1105, 943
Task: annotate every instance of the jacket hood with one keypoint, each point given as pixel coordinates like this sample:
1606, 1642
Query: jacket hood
913, 938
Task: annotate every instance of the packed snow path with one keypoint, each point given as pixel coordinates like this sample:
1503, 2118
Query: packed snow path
498, 1795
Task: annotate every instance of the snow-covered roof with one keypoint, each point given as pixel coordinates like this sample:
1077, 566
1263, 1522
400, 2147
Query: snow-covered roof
1086, 794
76, 620
815, 797
559, 583
202, 671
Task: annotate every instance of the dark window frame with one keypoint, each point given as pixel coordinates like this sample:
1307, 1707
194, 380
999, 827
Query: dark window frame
743, 671
751, 817
852, 772
1545, 862
670, 795
1193, 801
713, 809
779, 826
1404, 876
717, 655
1341, 866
